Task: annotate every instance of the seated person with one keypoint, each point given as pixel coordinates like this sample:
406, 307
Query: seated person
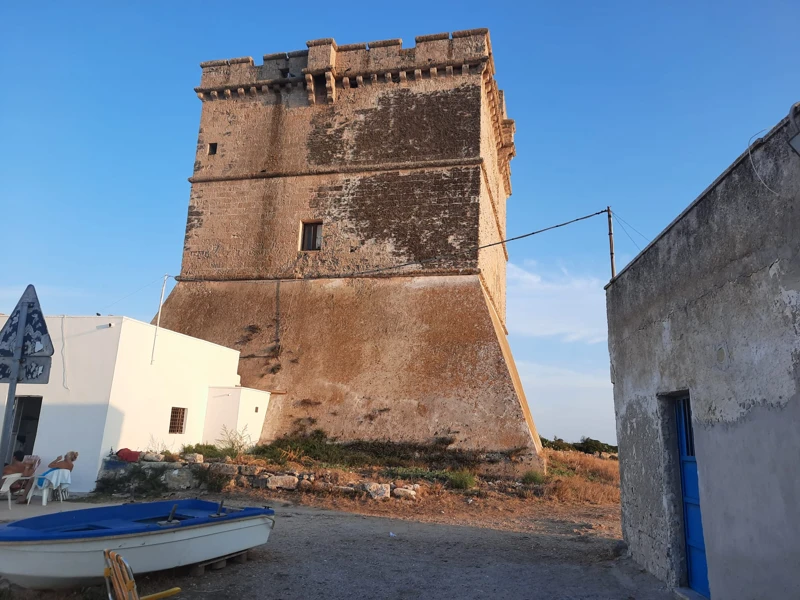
62, 462
17, 466
67, 462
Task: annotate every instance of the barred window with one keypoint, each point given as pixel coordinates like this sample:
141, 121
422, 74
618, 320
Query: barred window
177, 420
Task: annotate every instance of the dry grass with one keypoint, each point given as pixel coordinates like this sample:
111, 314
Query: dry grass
575, 489
584, 465
578, 477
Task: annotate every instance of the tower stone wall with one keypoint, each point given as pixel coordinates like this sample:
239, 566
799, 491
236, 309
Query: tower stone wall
395, 327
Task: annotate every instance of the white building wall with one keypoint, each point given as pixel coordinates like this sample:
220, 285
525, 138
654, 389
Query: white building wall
75, 403
143, 394
252, 409
239, 409
223, 409
105, 394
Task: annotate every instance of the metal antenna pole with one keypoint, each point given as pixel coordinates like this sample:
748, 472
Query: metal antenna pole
8, 418
158, 319
611, 243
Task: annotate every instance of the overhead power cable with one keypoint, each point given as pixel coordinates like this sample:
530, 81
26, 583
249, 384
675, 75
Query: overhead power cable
617, 215
422, 261
146, 285
629, 236
476, 248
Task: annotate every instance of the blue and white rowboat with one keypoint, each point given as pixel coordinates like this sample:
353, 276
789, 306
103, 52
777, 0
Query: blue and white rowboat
66, 549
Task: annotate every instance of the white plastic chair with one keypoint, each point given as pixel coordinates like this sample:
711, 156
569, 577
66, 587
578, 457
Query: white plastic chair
8, 481
60, 491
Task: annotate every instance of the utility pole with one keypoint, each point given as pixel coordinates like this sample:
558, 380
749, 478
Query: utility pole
158, 320
611, 243
11, 400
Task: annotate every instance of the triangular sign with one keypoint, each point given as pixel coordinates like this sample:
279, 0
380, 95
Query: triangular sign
36, 340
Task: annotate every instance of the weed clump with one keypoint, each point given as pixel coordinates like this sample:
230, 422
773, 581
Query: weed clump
232, 443
207, 450
533, 478
461, 480
412, 473
316, 446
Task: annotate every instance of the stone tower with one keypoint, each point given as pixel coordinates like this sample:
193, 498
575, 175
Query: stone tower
338, 198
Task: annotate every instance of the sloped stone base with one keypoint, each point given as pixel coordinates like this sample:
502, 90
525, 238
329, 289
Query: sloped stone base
400, 359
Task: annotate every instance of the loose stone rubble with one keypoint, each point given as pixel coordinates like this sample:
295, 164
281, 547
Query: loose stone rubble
192, 473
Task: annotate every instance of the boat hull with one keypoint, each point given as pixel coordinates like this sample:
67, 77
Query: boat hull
66, 563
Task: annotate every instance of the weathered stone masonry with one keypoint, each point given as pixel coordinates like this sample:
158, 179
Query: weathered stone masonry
395, 327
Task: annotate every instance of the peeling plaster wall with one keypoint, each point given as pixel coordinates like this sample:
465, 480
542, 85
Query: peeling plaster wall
712, 307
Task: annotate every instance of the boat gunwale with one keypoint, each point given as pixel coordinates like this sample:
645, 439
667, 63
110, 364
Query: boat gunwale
73, 540
38, 536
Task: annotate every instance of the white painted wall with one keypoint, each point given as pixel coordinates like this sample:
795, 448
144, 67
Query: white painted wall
223, 409
75, 403
143, 394
237, 408
252, 409
105, 394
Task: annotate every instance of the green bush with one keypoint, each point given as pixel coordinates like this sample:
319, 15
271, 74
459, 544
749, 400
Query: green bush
556, 444
533, 477
461, 480
415, 473
316, 446
587, 445
207, 450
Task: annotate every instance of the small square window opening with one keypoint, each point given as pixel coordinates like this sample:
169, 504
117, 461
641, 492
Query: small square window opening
312, 237
177, 420
256, 409
212, 148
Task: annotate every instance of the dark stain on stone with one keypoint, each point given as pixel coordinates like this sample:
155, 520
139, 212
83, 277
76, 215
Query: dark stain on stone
421, 215
406, 126
193, 221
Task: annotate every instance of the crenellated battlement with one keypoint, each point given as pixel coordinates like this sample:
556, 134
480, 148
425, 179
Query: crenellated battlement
326, 68
349, 66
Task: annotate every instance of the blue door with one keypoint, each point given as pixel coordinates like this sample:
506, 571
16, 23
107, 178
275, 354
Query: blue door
690, 491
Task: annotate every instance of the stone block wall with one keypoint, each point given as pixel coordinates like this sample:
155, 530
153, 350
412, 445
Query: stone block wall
394, 329
404, 156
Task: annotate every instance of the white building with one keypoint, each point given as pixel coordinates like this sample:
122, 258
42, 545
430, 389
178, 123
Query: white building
109, 389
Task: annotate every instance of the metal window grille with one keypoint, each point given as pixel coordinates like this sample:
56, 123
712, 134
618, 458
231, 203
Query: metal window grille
177, 420
312, 236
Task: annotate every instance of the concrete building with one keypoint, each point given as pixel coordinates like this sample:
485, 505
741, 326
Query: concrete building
705, 361
107, 390
339, 197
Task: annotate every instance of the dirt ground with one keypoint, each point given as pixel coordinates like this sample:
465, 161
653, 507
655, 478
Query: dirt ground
451, 547
323, 554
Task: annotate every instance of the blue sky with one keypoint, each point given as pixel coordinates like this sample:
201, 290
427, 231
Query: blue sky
639, 105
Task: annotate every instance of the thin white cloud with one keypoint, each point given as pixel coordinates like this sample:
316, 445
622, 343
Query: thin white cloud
562, 306
567, 403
